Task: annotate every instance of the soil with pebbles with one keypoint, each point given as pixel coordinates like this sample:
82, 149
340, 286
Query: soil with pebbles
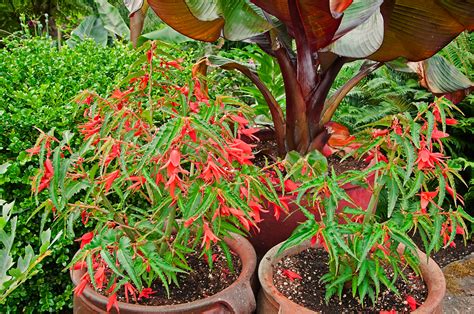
266, 152
311, 264
203, 281
452, 253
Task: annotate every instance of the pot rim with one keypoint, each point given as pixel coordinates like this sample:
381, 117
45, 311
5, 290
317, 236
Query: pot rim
431, 274
237, 243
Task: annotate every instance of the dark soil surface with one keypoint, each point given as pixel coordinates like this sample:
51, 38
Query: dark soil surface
266, 152
450, 254
311, 264
347, 164
200, 283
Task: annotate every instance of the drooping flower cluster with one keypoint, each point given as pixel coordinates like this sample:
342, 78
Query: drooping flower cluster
162, 166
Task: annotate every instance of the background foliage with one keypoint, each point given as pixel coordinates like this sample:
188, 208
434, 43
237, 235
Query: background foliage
387, 92
37, 81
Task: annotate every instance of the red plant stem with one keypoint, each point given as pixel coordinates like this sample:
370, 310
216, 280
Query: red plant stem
316, 101
168, 230
275, 110
332, 103
305, 71
297, 132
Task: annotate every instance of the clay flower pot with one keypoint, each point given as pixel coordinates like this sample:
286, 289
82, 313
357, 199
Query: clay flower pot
237, 298
273, 231
270, 300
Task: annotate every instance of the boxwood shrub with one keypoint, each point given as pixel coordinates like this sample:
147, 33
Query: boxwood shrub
37, 83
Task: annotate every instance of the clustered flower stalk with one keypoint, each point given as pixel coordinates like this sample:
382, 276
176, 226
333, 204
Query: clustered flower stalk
161, 170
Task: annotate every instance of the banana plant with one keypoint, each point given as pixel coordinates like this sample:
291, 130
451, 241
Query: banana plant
311, 41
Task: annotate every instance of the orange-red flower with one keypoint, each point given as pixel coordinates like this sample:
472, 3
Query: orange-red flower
453, 194
437, 134
173, 162
426, 198
318, 238
378, 155
249, 132
212, 171
290, 186
139, 182
109, 179
47, 175
99, 277
85, 280
118, 94
172, 183
79, 265
86, 238
379, 132
427, 159
92, 127
208, 236
450, 121
291, 274
411, 302
34, 150
256, 209
240, 151
114, 153
284, 200
146, 293
130, 289
112, 302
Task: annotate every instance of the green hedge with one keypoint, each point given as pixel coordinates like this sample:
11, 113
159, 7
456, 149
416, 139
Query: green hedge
37, 82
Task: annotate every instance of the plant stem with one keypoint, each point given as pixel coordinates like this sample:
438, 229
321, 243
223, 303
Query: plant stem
373, 200
168, 230
332, 103
118, 218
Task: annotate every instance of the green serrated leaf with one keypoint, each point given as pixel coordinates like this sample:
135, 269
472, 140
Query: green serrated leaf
416, 186
111, 263
393, 192
90, 269
126, 261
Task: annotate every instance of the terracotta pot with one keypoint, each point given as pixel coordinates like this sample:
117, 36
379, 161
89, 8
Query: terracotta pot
270, 300
274, 231
237, 298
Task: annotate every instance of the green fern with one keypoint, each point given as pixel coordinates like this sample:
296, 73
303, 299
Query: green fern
384, 92
461, 53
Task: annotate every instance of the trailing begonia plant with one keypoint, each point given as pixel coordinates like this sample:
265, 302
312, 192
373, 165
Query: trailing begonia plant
413, 185
313, 39
161, 172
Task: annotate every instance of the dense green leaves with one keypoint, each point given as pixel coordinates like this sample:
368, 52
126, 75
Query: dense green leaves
37, 82
26, 266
